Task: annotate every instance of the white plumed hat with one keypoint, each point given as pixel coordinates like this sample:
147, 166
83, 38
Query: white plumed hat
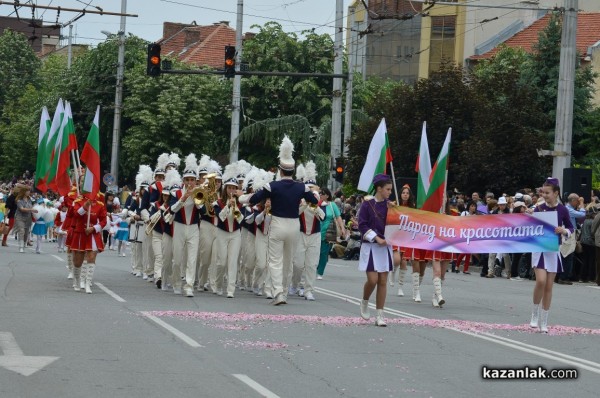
310, 178
191, 165
174, 160
161, 164
286, 151
300, 172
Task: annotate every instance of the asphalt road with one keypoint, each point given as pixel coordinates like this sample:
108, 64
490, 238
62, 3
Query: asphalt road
129, 339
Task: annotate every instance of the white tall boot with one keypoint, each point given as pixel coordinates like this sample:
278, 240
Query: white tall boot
402, 273
70, 265
393, 275
83, 274
88, 278
380, 320
76, 279
535, 316
437, 288
415, 283
544, 320
364, 309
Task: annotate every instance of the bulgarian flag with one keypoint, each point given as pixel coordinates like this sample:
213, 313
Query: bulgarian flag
378, 157
65, 143
52, 142
437, 187
423, 169
41, 166
91, 157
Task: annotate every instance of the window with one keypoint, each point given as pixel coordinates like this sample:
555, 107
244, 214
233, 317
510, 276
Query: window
441, 46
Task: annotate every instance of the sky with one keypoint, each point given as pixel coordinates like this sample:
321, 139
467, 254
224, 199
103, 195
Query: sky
293, 15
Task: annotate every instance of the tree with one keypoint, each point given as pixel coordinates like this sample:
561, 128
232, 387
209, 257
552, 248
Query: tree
18, 66
179, 113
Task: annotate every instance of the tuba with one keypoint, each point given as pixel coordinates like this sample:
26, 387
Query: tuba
206, 193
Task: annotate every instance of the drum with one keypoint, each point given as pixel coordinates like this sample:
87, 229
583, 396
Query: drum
137, 232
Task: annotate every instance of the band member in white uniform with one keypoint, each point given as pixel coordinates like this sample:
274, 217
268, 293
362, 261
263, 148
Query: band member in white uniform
309, 246
285, 198
227, 209
186, 235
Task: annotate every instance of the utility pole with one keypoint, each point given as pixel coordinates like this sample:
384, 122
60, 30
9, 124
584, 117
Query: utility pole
566, 87
351, 55
336, 103
114, 158
70, 48
237, 86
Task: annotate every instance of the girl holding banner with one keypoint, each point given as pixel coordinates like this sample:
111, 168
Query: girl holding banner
406, 199
547, 264
375, 253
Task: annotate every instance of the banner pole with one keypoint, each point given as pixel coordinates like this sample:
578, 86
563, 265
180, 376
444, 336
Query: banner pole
394, 182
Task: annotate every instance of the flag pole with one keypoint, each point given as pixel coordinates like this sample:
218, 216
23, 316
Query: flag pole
76, 169
394, 182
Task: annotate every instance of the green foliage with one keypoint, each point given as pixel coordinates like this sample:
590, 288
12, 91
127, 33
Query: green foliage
183, 114
18, 67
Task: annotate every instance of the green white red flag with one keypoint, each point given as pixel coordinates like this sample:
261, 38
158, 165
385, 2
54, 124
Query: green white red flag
378, 157
91, 157
65, 143
423, 168
41, 166
434, 200
53, 136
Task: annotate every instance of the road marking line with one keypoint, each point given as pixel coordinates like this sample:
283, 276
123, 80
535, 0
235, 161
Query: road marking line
514, 344
180, 335
58, 258
255, 386
110, 292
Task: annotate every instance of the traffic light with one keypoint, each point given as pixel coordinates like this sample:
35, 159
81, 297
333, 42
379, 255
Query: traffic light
153, 68
229, 61
339, 170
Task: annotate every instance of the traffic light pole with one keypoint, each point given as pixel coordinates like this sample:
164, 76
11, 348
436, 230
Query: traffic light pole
237, 87
114, 157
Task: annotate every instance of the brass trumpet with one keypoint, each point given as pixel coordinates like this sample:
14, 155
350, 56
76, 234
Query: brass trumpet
153, 221
206, 193
236, 209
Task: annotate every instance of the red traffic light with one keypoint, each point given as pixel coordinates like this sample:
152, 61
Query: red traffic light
229, 70
153, 64
155, 60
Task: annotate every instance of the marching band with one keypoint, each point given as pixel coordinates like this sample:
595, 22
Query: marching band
206, 229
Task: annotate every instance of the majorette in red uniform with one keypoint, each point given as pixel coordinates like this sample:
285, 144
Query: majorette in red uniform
89, 218
88, 237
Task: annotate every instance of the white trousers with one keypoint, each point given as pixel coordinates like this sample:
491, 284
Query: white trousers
306, 260
228, 249
241, 278
249, 260
283, 239
167, 270
136, 256
157, 249
185, 248
207, 237
148, 256
261, 245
